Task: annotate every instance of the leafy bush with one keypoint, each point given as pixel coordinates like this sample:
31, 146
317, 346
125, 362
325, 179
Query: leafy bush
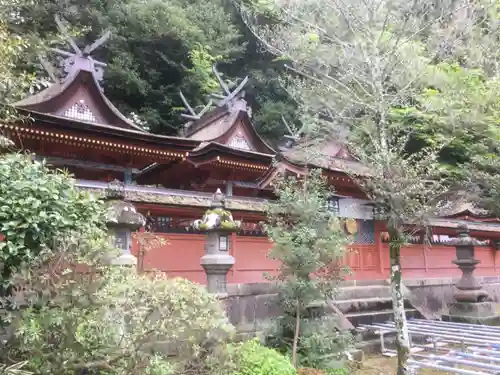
337, 371
321, 344
98, 318
37, 207
332, 371
70, 311
254, 359
129, 323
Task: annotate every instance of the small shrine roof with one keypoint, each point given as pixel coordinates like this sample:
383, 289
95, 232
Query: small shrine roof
461, 207
329, 155
206, 147
227, 123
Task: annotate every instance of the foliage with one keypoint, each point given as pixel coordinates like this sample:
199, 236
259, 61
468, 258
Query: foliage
15, 48
157, 49
37, 207
111, 319
322, 345
161, 47
251, 358
377, 69
309, 243
15, 369
331, 371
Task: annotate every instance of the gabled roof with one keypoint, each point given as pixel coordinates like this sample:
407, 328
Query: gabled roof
78, 98
210, 151
231, 125
228, 123
54, 122
76, 92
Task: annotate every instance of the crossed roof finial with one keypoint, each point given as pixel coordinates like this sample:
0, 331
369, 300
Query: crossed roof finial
225, 98
227, 95
78, 59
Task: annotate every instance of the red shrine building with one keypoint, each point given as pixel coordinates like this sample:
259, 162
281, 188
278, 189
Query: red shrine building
171, 180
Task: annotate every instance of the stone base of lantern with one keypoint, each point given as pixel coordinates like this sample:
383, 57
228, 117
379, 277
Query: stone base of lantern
470, 296
216, 267
126, 260
473, 313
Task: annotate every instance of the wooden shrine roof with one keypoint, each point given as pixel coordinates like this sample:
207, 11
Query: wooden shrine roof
75, 111
78, 97
230, 125
329, 155
65, 124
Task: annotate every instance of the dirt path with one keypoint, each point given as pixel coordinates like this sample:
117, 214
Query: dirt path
380, 365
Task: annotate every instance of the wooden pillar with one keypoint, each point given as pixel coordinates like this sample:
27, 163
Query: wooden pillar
379, 244
127, 178
229, 189
424, 250
233, 251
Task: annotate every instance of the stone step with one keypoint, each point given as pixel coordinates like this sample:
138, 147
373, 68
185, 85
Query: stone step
366, 304
371, 317
359, 292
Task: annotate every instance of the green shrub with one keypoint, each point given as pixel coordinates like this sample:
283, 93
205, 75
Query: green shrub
336, 371
122, 322
254, 359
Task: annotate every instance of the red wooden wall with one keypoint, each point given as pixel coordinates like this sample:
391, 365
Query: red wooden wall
181, 257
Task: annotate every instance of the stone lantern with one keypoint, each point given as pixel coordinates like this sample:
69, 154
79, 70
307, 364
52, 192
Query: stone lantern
122, 219
471, 300
468, 288
218, 224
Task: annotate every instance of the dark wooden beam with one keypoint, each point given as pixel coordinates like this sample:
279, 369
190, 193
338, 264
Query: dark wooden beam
58, 161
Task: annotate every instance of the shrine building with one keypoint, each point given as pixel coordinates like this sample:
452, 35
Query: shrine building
171, 180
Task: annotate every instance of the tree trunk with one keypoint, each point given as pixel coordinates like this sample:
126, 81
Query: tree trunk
402, 336
296, 335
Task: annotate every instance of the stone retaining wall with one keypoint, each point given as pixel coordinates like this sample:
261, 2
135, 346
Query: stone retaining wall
251, 307
437, 294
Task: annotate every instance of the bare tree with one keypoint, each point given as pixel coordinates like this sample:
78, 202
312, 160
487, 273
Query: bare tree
369, 66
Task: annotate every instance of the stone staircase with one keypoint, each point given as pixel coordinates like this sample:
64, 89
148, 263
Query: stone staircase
371, 303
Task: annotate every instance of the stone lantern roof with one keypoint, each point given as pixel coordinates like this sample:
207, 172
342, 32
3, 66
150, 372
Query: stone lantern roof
217, 218
124, 215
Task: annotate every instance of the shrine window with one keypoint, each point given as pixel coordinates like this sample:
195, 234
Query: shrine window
223, 243
163, 223
122, 240
366, 232
332, 205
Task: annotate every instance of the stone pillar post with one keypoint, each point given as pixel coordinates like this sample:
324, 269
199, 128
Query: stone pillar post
122, 219
471, 303
218, 224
